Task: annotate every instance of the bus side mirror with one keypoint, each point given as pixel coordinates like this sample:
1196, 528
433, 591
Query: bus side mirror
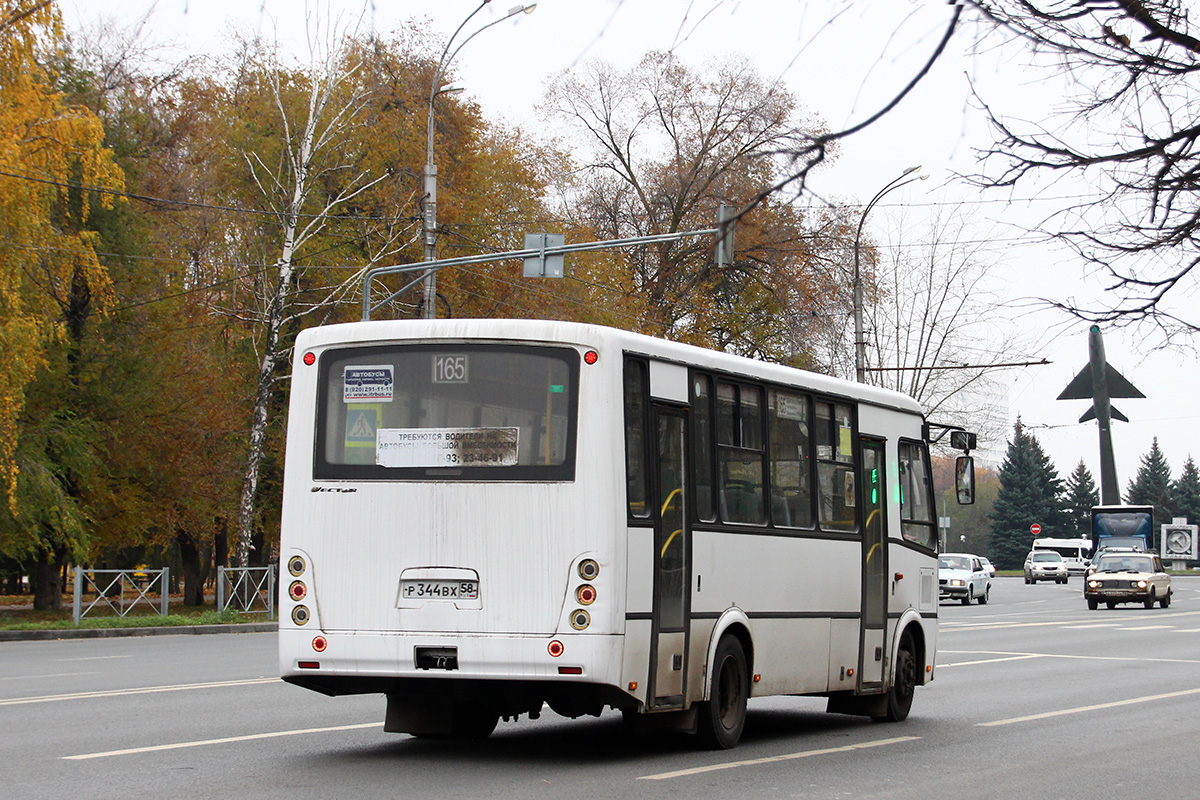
964, 480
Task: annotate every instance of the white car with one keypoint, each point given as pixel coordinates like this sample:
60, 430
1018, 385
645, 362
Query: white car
963, 576
987, 565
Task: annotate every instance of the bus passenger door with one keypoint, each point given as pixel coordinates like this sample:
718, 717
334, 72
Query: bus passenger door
672, 541
871, 660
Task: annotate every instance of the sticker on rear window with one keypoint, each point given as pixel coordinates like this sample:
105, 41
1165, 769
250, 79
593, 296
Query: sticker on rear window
367, 384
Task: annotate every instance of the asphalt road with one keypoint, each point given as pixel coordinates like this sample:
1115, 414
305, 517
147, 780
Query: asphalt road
1034, 696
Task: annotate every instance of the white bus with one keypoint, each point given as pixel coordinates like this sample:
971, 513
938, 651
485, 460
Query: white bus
484, 516
1074, 552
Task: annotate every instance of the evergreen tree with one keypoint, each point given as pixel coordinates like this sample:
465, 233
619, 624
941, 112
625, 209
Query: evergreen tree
1081, 495
1185, 494
1030, 491
1152, 486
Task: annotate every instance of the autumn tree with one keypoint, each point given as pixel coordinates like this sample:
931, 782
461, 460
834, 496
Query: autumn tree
660, 148
52, 161
1129, 129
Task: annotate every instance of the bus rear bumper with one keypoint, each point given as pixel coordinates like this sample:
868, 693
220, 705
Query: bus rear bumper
355, 663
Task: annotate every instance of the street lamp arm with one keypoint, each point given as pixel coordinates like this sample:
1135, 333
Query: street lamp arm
860, 345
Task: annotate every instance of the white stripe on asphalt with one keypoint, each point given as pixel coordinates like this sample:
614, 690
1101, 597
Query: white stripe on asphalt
226, 740
1081, 709
683, 773
183, 687
988, 661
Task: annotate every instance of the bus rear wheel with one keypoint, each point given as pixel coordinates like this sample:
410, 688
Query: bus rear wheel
904, 685
722, 718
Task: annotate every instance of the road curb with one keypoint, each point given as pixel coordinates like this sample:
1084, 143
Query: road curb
112, 633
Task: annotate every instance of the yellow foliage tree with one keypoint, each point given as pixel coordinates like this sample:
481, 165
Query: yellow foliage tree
46, 146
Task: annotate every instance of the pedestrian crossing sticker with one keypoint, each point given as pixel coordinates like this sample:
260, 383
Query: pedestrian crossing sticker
362, 422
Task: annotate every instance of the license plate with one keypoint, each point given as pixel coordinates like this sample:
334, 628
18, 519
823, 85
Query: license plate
439, 590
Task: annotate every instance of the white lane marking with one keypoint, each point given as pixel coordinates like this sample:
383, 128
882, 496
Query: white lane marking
1093, 625
91, 658
183, 687
51, 675
1081, 709
225, 740
988, 661
1073, 657
1146, 628
683, 773
1123, 620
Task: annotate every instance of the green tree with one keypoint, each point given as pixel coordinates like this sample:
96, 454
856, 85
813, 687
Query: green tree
1185, 493
1030, 492
1151, 486
1081, 494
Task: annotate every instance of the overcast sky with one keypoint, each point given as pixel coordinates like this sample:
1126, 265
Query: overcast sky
843, 60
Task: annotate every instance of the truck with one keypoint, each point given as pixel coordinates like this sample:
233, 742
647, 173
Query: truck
1122, 526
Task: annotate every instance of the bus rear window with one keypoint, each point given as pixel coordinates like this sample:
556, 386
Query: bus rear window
444, 412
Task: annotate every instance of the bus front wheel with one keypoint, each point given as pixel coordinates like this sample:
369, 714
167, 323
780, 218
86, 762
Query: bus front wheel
722, 718
904, 685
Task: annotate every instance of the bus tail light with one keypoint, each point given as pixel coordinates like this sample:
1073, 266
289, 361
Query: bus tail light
300, 615
296, 566
588, 569
319, 643
586, 594
297, 591
555, 648
580, 619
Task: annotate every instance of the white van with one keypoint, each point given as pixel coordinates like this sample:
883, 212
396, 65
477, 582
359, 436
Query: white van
1074, 552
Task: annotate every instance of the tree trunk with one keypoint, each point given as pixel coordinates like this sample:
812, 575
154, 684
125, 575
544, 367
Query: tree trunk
262, 402
47, 582
189, 557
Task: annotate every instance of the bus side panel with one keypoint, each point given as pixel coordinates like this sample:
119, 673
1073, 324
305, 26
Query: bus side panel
844, 636
779, 583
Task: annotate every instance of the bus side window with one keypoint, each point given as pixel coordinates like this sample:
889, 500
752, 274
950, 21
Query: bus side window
636, 409
740, 453
788, 424
702, 428
836, 490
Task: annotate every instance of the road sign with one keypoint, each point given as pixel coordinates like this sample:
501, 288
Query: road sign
1035, 529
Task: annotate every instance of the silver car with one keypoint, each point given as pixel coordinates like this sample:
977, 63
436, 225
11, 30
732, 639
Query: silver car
1045, 565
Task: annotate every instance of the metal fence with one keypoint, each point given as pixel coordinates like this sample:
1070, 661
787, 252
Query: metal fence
121, 590
250, 590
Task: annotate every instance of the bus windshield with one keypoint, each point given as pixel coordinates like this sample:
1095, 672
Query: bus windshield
471, 411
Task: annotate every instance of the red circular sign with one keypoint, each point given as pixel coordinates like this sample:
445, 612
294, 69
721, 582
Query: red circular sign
1035, 529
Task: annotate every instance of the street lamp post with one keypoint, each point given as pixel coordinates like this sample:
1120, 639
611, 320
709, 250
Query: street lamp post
860, 344
430, 175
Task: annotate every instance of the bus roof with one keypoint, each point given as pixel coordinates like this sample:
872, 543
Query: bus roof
378, 331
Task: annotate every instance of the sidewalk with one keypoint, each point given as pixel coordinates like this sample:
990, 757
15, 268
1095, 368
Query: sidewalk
109, 633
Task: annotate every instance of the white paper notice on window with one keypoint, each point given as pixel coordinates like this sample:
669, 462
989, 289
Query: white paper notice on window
363, 383
447, 447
